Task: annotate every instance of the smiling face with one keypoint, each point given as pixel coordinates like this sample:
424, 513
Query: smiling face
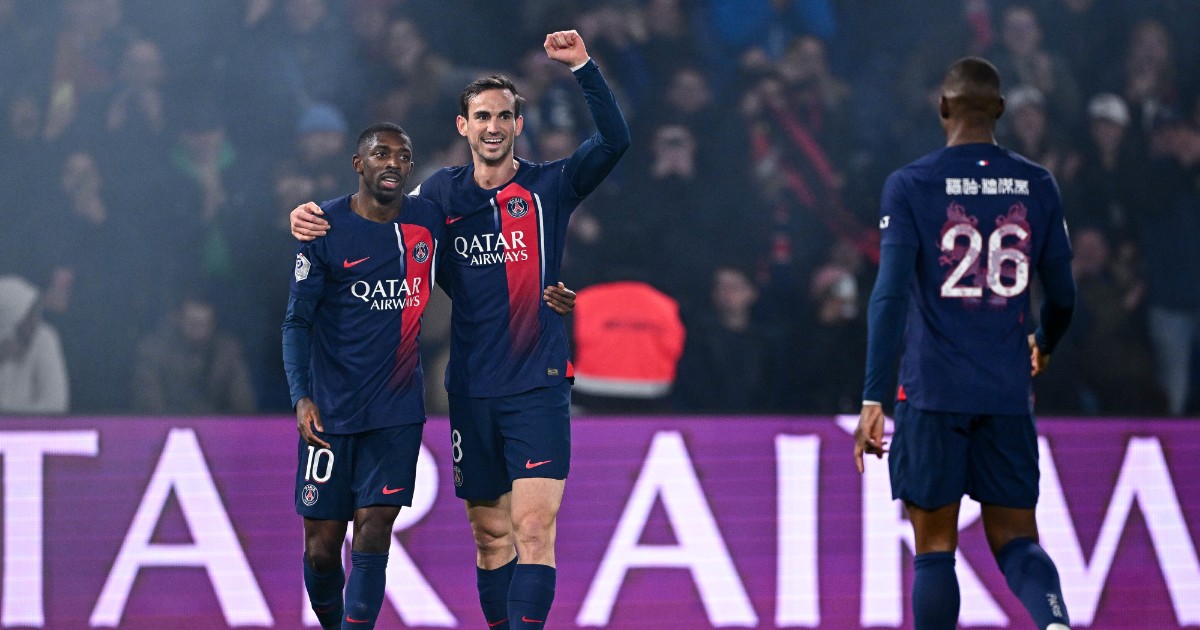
491, 126
383, 163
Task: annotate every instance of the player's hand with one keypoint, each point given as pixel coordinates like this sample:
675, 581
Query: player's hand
306, 222
566, 47
1039, 360
559, 298
868, 437
308, 417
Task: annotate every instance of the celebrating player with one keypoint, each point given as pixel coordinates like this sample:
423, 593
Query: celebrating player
510, 398
350, 351
963, 230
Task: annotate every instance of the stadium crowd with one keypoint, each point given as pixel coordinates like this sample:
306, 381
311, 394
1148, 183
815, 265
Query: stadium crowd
150, 153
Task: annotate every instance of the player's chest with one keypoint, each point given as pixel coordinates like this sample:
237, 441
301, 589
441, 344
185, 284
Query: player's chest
505, 228
387, 254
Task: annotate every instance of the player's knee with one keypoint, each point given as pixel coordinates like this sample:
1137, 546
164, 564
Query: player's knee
535, 529
492, 539
321, 558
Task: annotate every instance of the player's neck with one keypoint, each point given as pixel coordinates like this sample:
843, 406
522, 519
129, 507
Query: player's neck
369, 208
969, 134
493, 175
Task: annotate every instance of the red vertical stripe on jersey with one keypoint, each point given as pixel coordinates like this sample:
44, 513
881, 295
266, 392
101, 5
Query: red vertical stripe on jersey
418, 244
519, 226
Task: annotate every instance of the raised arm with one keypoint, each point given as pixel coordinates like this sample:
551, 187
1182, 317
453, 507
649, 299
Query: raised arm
597, 156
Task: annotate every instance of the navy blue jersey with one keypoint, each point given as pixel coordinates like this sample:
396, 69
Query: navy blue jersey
981, 220
360, 292
505, 244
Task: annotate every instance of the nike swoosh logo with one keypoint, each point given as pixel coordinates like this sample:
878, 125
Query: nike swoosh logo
529, 463
348, 264
387, 490
496, 623
528, 620
450, 220
353, 620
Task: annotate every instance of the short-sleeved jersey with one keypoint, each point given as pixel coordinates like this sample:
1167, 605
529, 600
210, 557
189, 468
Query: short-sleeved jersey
504, 245
982, 220
371, 282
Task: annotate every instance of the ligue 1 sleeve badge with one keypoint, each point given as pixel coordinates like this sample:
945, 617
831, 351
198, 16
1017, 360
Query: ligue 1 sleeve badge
420, 252
302, 267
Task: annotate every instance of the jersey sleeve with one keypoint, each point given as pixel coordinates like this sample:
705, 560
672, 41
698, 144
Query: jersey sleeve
1057, 246
886, 314
308, 285
897, 224
596, 157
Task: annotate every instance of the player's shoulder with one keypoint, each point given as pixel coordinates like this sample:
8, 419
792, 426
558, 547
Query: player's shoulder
440, 181
336, 209
1033, 169
421, 210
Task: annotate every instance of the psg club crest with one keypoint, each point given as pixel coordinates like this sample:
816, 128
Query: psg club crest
302, 267
309, 495
517, 207
421, 252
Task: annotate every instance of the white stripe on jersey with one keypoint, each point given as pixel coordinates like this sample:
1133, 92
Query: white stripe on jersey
400, 244
541, 238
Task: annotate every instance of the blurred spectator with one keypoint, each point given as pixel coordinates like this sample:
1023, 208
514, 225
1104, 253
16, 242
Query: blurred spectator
91, 40
1030, 133
1149, 78
831, 343
190, 366
1021, 59
726, 363
33, 372
1168, 226
107, 280
1089, 34
737, 25
1115, 366
673, 226
1103, 188
414, 85
321, 148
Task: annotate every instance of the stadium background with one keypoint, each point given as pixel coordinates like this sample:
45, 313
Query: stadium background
150, 151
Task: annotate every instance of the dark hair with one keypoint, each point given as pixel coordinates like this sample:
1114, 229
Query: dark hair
973, 74
378, 128
483, 84
974, 85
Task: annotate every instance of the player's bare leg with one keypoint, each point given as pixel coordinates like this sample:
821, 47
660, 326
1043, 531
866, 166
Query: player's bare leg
1012, 535
491, 524
323, 573
495, 556
535, 504
935, 597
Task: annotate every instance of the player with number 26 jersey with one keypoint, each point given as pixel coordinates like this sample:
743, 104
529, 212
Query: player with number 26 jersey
982, 219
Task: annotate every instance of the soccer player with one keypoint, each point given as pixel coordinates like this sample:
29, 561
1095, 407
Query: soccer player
350, 352
506, 221
963, 230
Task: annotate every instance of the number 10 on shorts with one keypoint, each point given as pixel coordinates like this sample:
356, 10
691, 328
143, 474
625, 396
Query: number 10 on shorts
313, 470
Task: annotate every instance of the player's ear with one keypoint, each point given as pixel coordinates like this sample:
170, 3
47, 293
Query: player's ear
520, 124
356, 163
943, 107
1000, 108
462, 125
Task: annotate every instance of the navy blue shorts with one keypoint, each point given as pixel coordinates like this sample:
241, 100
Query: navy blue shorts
497, 440
357, 470
936, 457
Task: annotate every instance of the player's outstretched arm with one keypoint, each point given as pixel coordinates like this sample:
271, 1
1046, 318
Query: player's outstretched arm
566, 47
307, 223
308, 417
559, 298
868, 437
